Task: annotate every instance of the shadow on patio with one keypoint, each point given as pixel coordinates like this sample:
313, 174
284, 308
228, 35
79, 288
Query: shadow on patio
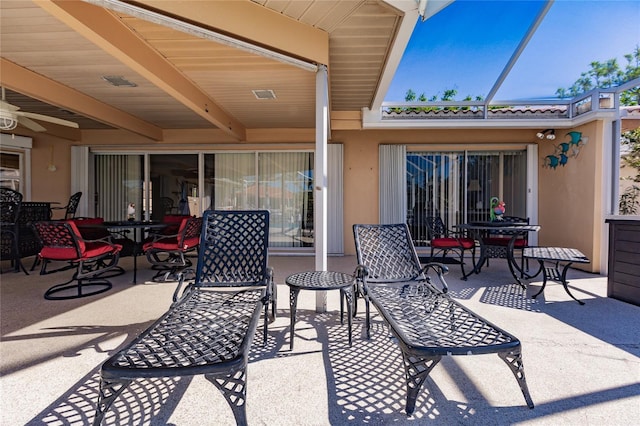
581, 362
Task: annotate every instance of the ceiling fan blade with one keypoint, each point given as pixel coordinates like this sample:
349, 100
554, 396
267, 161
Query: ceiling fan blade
30, 124
4, 105
49, 119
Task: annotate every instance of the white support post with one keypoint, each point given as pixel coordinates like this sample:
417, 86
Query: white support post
320, 183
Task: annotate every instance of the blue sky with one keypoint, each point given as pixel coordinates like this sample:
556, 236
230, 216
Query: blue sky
466, 45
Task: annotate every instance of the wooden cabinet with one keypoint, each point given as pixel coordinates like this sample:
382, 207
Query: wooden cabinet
623, 282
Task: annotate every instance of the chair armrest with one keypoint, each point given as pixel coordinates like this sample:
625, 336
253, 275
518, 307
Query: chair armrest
177, 295
106, 239
440, 270
155, 237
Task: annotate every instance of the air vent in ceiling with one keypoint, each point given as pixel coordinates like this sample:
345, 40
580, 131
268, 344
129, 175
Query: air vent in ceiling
264, 94
118, 81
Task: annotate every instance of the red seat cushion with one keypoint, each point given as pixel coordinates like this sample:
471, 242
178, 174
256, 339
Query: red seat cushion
96, 249
59, 253
504, 241
70, 253
465, 243
174, 222
161, 244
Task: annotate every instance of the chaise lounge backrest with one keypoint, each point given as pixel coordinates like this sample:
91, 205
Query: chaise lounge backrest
387, 252
233, 248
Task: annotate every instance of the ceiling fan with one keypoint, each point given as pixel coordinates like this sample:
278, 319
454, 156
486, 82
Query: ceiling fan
11, 116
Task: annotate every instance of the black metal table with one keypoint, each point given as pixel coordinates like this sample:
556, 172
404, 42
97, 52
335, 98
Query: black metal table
138, 227
555, 255
508, 228
320, 280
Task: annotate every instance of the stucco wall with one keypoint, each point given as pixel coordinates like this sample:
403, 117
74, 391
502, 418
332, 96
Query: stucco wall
570, 201
569, 196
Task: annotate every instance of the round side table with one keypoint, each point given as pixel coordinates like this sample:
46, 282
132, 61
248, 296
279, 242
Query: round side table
320, 280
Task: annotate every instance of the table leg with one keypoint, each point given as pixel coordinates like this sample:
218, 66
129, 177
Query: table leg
136, 246
477, 235
293, 303
511, 261
348, 294
554, 274
563, 279
544, 278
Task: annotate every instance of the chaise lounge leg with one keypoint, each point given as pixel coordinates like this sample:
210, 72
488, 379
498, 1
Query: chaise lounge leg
234, 389
514, 361
416, 371
109, 391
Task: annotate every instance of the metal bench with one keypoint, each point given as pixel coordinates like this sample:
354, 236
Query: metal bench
555, 256
427, 323
210, 325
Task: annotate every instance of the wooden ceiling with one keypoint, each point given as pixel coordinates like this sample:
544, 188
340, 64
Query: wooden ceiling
55, 53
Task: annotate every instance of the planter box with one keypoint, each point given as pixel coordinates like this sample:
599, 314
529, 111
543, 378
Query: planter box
623, 282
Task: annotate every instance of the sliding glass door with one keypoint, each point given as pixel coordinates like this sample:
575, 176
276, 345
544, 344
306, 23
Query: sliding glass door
151, 186
458, 186
276, 181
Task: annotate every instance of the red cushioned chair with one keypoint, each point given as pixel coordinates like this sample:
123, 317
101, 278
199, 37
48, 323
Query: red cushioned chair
93, 228
173, 222
167, 252
444, 241
94, 260
500, 240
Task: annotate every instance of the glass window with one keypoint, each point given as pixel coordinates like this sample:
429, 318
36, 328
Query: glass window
10, 171
119, 187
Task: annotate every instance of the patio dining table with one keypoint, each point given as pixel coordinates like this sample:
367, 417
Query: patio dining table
139, 227
477, 230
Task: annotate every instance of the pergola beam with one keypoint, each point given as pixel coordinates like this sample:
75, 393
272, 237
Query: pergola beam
259, 26
108, 32
37, 86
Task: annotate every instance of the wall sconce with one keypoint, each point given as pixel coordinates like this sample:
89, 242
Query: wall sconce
547, 133
52, 167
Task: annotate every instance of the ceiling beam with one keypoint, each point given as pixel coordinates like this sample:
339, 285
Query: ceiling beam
107, 31
258, 25
37, 86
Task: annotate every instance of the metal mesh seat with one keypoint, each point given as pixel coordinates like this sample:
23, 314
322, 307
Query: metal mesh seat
210, 325
426, 321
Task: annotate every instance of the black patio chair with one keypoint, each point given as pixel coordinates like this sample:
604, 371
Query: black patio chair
10, 202
71, 207
444, 241
497, 241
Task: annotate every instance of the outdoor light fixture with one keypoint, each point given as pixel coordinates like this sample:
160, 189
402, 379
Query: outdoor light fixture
8, 121
547, 134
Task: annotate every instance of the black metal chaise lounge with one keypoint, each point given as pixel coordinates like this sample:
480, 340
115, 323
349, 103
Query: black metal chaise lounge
426, 321
210, 325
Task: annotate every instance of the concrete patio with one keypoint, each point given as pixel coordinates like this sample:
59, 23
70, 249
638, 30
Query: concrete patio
582, 363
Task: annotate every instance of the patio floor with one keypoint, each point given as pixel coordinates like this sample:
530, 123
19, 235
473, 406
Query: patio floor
582, 363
